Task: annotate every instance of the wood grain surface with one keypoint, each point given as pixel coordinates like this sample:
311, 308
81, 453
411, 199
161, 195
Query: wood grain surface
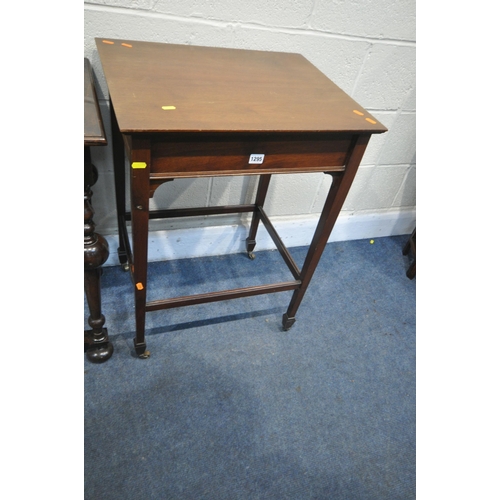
159, 87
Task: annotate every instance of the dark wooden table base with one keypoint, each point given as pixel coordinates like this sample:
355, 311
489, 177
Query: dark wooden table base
96, 251
136, 262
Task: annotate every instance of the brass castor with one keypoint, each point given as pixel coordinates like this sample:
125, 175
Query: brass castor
140, 350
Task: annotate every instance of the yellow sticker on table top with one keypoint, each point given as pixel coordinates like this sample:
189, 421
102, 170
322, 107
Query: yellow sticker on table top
370, 121
166, 108
139, 164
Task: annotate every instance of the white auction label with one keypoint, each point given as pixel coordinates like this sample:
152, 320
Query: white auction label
256, 159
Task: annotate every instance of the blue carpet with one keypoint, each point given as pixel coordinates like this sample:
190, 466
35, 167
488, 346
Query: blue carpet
229, 406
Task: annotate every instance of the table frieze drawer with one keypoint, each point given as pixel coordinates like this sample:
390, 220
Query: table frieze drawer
214, 156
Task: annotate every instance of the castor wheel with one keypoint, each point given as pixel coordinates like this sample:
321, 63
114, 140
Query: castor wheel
251, 255
125, 266
140, 350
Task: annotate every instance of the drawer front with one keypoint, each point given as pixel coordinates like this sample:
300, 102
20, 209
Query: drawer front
214, 156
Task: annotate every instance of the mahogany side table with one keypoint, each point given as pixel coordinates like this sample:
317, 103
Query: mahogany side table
182, 111
96, 251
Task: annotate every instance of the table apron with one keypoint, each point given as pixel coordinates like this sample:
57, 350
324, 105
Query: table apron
217, 157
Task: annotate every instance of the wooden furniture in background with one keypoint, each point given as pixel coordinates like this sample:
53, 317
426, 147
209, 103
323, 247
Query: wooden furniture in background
184, 111
96, 251
411, 249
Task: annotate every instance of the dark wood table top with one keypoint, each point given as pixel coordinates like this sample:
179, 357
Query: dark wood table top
94, 134
159, 87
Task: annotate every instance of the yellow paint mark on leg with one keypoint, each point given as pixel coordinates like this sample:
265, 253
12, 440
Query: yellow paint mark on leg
139, 164
139, 286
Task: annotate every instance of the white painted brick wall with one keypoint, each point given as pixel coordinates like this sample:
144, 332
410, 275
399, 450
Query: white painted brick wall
367, 47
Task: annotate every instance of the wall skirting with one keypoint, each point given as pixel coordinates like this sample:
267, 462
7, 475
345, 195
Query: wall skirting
294, 231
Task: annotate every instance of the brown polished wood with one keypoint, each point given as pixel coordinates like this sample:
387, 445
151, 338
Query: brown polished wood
193, 155
410, 249
219, 89
185, 111
94, 134
97, 346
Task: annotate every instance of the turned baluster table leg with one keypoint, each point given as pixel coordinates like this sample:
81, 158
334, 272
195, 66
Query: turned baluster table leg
96, 251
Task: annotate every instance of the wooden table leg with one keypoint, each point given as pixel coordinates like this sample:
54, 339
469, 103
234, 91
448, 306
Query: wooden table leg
341, 183
119, 176
259, 202
139, 206
411, 245
96, 344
